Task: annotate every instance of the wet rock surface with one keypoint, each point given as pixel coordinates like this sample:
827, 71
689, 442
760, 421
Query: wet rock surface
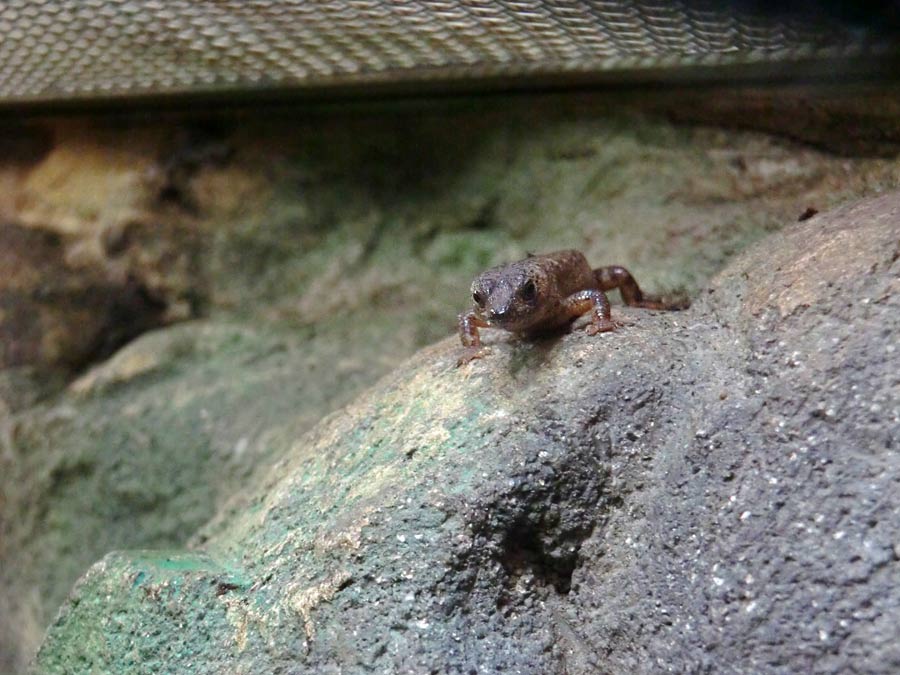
713, 490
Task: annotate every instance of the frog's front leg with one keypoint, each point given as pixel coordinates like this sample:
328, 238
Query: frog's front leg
469, 323
593, 301
610, 278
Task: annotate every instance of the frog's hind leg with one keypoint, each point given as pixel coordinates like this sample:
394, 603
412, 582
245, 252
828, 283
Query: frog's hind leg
597, 304
610, 278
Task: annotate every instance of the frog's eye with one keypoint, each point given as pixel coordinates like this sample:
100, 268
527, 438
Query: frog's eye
529, 291
479, 298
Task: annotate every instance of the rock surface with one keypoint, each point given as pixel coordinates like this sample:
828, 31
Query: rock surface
705, 491
315, 252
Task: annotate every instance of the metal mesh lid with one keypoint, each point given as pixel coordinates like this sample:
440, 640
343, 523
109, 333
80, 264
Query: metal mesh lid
82, 49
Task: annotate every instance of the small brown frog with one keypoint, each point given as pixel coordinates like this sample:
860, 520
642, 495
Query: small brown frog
546, 292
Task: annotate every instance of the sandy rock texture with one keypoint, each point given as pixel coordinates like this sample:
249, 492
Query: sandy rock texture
714, 490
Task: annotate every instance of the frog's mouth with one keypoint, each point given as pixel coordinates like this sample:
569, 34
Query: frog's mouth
508, 319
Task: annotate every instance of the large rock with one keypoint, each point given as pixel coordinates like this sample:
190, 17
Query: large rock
318, 251
704, 491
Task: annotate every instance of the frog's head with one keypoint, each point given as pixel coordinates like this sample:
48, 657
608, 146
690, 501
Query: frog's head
509, 296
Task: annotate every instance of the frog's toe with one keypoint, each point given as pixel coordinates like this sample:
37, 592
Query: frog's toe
470, 354
601, 326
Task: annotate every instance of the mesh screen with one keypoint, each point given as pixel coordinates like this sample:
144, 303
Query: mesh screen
58, 49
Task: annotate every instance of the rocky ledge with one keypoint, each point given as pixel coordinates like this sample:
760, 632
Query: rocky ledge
713, 490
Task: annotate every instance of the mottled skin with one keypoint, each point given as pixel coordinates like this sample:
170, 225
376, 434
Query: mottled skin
545, 292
